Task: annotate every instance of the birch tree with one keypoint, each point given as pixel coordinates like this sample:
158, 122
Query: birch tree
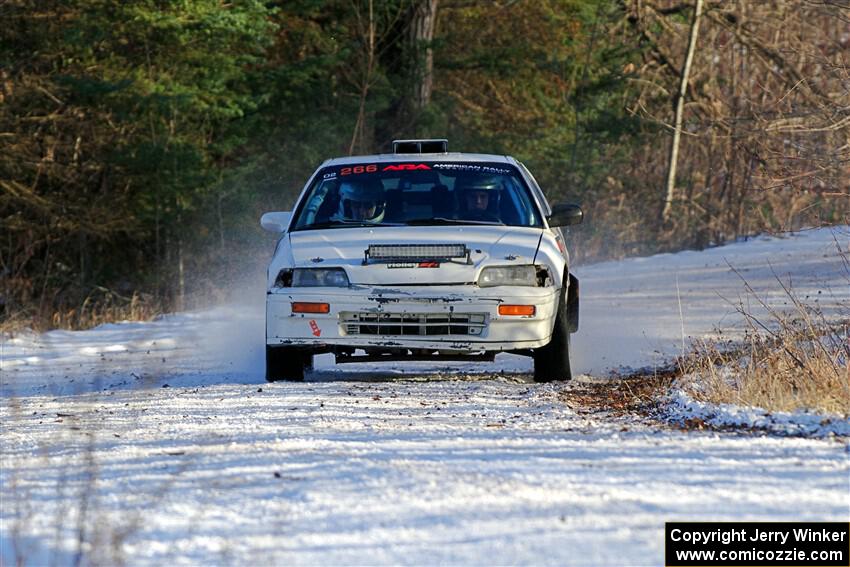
680, 110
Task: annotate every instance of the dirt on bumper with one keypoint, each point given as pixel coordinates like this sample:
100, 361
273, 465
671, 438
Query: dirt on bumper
452, 318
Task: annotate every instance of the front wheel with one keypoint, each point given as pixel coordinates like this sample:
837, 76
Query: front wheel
552, 362
287, 363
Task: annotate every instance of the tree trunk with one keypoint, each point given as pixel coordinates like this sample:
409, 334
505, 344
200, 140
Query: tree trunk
181, 276
680, 107
577, 106
422, 25
359, 133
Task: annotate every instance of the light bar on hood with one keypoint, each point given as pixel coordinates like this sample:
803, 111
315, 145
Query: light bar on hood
410, 252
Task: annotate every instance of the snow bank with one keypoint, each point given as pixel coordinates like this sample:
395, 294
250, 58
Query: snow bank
682, 409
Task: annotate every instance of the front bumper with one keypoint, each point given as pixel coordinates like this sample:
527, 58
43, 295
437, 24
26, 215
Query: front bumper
449, 319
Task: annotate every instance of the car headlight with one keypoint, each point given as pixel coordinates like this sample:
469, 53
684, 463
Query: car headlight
510, 275
312, 277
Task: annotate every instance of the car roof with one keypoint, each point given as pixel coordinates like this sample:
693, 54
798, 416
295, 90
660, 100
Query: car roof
446, 157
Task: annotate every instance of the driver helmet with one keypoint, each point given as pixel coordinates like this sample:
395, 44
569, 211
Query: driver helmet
490, 184
362, 199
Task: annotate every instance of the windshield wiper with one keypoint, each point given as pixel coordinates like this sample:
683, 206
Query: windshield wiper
444, 220
346, 223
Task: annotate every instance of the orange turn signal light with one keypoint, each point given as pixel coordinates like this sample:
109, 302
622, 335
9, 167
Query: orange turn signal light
306, 307
526, 310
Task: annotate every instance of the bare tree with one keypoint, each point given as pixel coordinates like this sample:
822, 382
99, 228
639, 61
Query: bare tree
680, 108
766, 143
421, 34
367, 30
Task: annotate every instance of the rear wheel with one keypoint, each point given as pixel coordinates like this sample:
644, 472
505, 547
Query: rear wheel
287, 363
552, 362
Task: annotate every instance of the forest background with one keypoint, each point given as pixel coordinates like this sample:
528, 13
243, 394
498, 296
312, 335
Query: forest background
141, 140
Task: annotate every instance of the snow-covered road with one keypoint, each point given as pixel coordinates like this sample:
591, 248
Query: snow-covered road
160, 443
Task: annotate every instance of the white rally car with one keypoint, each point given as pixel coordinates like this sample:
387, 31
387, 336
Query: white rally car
420, 255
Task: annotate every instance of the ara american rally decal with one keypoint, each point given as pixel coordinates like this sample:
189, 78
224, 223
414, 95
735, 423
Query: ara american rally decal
460, 167
373, 168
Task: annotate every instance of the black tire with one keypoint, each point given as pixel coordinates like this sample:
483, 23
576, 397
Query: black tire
287, 363
572, 304
552, 362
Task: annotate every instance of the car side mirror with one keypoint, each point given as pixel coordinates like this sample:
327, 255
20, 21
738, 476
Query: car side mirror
565, 214
276, 222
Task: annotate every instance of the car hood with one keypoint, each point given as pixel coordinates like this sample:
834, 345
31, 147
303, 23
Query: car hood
488, 245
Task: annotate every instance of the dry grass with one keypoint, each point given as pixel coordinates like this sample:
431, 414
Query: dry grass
100, 306
795, 371
795, 359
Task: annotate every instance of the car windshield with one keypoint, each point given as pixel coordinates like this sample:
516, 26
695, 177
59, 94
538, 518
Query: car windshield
417, 194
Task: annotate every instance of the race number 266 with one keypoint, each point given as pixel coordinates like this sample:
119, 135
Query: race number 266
358, 169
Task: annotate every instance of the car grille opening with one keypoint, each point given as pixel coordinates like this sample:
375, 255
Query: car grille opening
414, 324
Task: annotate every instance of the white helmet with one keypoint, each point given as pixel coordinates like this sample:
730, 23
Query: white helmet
362, 199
